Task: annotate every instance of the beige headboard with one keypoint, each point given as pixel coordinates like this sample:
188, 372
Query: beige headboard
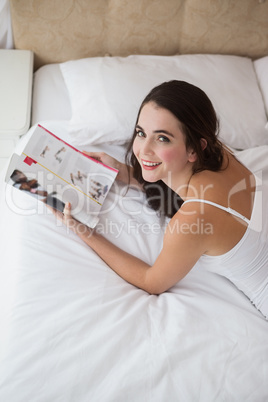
60, 30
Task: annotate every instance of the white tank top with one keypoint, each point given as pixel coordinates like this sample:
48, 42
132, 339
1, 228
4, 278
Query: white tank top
246, 264
227, 209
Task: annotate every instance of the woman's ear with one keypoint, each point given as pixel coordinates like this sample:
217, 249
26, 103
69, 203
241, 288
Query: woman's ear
192, 156
203, 143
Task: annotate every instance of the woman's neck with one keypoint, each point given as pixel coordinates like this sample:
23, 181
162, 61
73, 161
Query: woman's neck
180, 183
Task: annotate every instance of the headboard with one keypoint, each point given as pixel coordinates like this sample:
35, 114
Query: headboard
57, 31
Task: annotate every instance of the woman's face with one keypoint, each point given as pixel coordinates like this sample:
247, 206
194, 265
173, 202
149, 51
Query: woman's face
159, 145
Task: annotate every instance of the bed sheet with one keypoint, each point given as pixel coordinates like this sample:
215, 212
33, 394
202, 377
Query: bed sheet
74, 331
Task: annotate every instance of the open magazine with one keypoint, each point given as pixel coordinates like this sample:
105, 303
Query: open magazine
55, 172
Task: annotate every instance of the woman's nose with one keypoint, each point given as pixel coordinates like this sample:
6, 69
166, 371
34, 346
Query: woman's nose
147, 148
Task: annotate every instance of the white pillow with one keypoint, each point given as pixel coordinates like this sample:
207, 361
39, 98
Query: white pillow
105, 94
50, 95
261, 68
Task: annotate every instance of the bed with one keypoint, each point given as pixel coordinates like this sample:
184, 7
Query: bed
71, 329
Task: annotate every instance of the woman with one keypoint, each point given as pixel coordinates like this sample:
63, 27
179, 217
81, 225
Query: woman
175, 151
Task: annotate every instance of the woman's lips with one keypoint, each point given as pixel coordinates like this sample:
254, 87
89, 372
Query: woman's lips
149, 165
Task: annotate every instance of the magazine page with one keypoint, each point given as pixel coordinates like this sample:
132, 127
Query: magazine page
61, 173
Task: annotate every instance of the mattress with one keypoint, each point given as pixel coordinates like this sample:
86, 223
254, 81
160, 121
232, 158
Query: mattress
73, 330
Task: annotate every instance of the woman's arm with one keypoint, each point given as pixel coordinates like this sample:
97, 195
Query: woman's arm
178, 256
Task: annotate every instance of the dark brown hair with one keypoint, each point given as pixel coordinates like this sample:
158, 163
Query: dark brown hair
192, 107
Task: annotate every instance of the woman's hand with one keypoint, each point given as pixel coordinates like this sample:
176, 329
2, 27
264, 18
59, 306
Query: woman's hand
105, 158
71, 223
112, 162
125, 173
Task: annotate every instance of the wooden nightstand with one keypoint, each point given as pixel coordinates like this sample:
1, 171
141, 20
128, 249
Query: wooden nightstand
16, 75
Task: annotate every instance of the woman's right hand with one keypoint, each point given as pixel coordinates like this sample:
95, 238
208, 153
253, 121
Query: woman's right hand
110, 161
125, 173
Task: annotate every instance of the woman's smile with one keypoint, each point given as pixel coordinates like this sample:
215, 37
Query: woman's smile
148, 165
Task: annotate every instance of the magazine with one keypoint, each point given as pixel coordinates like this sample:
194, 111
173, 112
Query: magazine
55, 173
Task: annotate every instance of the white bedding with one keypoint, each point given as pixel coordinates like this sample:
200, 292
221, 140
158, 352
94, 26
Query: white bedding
74, 331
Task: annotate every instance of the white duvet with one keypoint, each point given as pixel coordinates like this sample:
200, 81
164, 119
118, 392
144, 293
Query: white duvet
73, 331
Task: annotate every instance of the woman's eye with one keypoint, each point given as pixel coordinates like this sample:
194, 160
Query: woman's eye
140, 133
163, 138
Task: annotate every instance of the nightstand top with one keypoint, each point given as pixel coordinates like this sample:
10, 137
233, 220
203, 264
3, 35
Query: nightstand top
16, 74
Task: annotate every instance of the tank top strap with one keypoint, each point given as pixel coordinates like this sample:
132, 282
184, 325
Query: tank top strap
227, 209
